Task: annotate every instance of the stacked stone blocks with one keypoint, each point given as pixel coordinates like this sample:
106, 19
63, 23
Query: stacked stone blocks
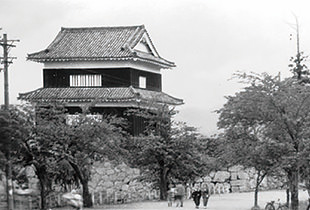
118, 183
238, 179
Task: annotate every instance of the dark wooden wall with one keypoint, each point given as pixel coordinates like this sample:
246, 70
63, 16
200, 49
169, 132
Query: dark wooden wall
136, 124
123, 77
153, 81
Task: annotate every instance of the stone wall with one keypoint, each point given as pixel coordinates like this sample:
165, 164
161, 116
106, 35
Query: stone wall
237, 179
110, 183
118, 183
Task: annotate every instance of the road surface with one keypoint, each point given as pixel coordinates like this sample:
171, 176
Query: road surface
232, 201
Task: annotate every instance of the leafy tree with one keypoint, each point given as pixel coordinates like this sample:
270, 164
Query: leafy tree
17, 130
61, 152
75, 146
12, 130
243, 145
299, 68
102, 141
301, 72
244, 140
167, 151
281, 109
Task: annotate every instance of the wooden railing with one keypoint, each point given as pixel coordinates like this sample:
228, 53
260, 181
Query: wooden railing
3, 202
119, 197
21, 202
26, 202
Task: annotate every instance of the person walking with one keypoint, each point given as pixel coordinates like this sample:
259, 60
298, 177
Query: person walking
196, 195
179, 194
170, 195
205, 194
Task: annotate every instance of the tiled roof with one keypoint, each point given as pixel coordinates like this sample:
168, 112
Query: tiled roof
88, 94
98, 43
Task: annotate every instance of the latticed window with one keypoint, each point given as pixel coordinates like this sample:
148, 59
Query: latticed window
85, 80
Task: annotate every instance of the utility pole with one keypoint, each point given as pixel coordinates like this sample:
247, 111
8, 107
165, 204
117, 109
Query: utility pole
6, 60
298, 62
298, 70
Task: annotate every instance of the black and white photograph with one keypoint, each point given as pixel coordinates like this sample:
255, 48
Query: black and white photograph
154, 104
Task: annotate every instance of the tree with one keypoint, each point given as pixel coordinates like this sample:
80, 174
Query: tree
281, 109
77, 145
297, 67
26, 148
167, 151
12, 130
244, 140
242, 146
61, 152
102, 141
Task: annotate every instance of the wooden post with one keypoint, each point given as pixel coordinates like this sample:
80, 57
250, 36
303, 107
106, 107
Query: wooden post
93, 197
100, 198
9, 186
40, 202
58, 199
5, 70
107, 200
30, 201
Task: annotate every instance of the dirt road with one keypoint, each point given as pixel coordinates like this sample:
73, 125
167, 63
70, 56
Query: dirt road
232, 201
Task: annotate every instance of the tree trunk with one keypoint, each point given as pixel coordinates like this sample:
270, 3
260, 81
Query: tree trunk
45, 184
293, 179
43, 190
87, 202
9, 183
163, 183
86, 195
256, 196
259, 180
288, 197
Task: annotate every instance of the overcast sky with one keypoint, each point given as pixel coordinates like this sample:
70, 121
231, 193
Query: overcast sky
208, 40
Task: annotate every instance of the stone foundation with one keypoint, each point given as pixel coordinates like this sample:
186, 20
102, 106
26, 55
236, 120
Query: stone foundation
238, 179
118, 183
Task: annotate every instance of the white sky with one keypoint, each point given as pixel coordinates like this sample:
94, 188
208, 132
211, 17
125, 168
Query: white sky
208, 40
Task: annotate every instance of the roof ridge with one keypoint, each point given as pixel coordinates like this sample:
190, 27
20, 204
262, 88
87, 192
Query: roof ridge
99, 27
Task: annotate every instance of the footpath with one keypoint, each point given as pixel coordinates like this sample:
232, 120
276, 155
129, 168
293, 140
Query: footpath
231, 201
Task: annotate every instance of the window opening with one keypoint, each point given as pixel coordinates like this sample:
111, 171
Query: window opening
85, 80
142, 82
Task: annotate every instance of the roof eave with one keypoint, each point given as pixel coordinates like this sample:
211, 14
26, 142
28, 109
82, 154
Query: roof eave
164, 64
135, 96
